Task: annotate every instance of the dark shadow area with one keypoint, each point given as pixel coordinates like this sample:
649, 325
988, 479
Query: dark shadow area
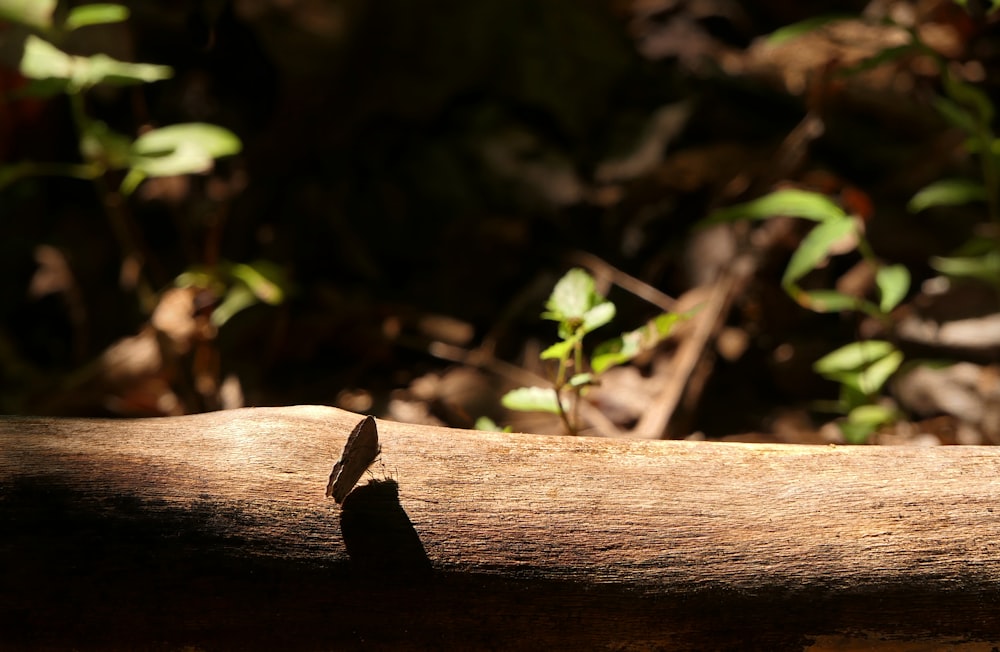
378, 534
81, 574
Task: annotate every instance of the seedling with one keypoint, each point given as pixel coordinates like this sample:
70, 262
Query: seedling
579, 309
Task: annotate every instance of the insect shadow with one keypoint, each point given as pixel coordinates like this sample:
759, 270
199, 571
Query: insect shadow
378, 533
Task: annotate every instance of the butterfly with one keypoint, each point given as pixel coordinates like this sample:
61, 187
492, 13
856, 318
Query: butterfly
360, 451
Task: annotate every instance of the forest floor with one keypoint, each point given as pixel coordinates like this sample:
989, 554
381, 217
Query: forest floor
412, 187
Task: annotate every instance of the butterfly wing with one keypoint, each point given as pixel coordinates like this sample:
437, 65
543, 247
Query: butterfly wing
360, 451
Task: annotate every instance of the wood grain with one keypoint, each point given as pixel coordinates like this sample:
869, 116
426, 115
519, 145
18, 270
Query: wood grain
213, 530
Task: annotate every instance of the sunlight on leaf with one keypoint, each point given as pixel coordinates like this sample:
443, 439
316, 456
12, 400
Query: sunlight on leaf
893, 283
815, 247
873, 415
625, 348
531, 399
95, 14
559, 350
487, 424
101, 68
43, 61
572, 296
853, 356
187, 148
826, 301
783, 203
861, 370
212, 141
875, 376
598, 316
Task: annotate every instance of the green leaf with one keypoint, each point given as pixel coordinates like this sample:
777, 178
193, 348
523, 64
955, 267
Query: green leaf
265, 279
893, 284
95, 14
187, 148
873, 415
487, 424
616, 351
855, 433
875, 376
787, 203
824, 301
598, 316
985, 267
947, 192
572, 297
33, 13
237, 298
43, 61
663, 324
853, 357
170, 150
579, 380
532, 399
625, 348
815, 247
200, 277
102, 69
559, 350
861, 370
851, 395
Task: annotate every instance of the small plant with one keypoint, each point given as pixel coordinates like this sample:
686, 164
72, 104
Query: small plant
972, 111
168, 151
118, 163
861, 368
578, 309
115, 162
967, 108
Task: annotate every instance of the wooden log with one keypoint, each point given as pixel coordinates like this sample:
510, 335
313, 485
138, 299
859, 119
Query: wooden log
213, 531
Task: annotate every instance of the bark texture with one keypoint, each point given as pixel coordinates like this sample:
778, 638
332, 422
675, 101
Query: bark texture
213, 531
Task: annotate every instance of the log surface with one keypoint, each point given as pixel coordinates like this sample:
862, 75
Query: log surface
213, 530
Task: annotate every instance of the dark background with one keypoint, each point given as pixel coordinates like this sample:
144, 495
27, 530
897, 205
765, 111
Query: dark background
423, 173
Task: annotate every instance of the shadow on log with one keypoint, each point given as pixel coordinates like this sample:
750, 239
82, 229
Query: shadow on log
213, 532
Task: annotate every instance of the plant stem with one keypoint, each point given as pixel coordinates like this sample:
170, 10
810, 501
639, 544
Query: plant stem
133, 260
